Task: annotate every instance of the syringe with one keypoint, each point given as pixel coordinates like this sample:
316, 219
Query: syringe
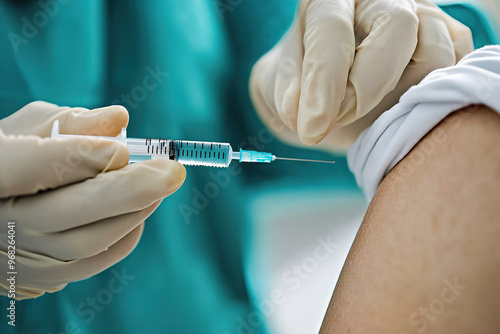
187, 152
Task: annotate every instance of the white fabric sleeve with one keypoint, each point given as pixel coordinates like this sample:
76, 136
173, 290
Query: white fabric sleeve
474, 80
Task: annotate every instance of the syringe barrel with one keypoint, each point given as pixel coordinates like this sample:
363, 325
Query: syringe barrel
198, 153
189, 153
145, 149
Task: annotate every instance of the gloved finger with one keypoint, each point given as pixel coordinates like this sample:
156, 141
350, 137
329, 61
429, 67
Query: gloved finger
34, 292
435, 46
88, 240
129, 189
425, 59
377, 67
288, 67
32, 269
274, 84
461, 37
261, 89
30, 164
329, 43
268, 115
85, 268
47, 274
22, 293
262, 85
29, 119
106, 121
37, 118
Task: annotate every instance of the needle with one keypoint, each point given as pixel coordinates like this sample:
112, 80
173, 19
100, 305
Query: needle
306, 160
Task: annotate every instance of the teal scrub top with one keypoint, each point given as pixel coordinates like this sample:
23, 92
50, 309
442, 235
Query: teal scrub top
187, 275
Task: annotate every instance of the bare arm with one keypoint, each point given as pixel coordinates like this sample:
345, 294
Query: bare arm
427, 256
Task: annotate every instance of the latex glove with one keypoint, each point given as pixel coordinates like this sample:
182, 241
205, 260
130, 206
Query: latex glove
344, 62
77, 205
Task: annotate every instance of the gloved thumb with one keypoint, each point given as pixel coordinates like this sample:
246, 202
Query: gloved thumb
31, 164
37, 118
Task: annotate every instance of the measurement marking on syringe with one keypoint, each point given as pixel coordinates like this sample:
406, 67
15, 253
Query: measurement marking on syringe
174, 149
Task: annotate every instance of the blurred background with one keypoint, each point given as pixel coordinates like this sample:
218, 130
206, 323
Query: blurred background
252, 249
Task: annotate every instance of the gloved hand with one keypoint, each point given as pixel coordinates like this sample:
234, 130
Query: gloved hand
78, 207
344, 62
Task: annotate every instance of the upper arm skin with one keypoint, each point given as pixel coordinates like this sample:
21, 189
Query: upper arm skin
427, 256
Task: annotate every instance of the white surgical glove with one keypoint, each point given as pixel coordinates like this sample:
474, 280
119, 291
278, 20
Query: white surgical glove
344, 62
78, 207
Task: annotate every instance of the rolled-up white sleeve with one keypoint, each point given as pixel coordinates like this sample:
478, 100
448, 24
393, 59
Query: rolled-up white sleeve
474, 80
